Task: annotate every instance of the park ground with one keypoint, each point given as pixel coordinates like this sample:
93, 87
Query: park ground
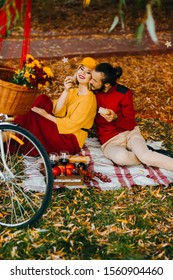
85, 223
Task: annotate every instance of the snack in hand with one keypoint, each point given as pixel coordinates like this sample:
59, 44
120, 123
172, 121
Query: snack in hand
104, 111
71, 80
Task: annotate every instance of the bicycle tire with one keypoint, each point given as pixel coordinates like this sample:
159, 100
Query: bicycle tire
26, 187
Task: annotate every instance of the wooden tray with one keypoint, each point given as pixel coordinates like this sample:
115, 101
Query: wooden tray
69, 181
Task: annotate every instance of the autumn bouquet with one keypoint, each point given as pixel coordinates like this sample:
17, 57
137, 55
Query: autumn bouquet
34, 74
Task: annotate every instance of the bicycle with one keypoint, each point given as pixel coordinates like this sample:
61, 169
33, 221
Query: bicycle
25, 176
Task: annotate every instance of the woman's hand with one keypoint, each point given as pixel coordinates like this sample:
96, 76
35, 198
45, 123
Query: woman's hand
44, 114
112, 116
69, 82
40, 111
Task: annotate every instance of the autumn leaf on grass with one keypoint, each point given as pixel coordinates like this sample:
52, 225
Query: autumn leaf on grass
57, 255
122, 221
148, 214
122, 195
156, 193
14, 252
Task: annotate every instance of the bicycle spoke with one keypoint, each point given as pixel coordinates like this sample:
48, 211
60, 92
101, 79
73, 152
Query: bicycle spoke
25, 186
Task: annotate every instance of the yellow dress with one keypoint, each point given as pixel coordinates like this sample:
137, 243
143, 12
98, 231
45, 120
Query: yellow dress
78, 112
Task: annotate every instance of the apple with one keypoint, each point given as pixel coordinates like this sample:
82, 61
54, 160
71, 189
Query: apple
56, 171
68, 172
70, 166
62, 168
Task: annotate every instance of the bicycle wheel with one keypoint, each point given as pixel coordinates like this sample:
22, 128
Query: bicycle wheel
25, 177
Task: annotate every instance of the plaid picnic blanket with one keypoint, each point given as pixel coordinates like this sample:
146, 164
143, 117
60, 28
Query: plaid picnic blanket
123, 176
140, 175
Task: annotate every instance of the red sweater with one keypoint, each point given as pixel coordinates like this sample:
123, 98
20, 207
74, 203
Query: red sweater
120, 100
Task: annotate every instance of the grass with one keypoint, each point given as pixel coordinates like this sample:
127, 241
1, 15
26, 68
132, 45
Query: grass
88, 224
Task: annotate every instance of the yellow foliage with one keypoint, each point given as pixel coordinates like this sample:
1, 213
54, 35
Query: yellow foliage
86, 2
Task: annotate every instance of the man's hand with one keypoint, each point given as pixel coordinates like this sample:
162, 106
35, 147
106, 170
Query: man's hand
112, 116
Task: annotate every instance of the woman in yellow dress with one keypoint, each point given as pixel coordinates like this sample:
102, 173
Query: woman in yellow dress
64, 124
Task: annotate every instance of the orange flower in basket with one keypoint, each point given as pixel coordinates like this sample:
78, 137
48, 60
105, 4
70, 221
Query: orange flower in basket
34, 74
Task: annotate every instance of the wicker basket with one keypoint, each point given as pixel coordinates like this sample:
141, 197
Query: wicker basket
14, 99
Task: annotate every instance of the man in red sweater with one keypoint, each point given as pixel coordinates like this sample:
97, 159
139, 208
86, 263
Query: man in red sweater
116, 125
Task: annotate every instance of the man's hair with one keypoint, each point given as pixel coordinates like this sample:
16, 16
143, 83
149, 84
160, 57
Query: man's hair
110, 73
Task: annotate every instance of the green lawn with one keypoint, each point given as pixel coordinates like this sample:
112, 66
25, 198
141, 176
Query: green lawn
88, 224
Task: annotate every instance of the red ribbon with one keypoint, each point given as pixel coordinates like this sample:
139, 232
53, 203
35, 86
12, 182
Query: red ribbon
3, 20
27, 28
11, 6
